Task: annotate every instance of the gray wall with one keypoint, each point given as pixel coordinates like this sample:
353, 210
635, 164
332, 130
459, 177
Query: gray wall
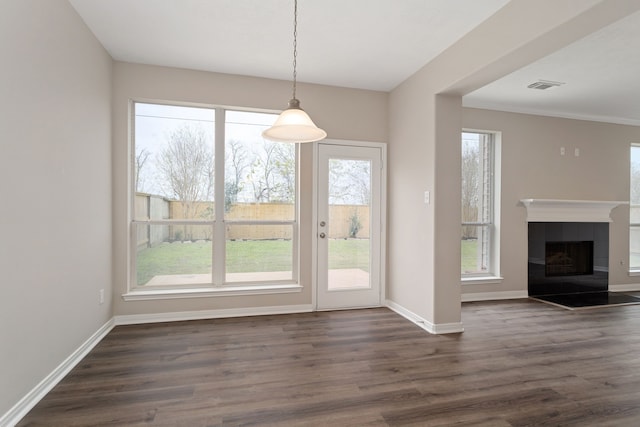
60, 91
55, 169
425, 114
532, 167
346, 114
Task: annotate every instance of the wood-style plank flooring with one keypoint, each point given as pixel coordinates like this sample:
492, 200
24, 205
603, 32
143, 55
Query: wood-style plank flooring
518, 363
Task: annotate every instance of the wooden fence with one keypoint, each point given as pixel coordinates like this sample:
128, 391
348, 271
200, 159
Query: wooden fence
346, 221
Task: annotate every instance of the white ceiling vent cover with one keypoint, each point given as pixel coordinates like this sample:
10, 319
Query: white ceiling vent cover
544, 84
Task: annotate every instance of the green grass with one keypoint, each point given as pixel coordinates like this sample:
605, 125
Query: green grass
242, 257
469, 255
349, 253
173, 258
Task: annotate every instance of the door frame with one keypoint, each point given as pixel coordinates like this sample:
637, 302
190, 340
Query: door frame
383, 214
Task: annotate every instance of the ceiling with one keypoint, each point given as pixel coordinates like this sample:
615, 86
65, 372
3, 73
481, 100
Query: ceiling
367, 44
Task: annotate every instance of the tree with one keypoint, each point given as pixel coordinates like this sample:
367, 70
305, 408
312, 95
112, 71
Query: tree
470, 187
272, 173
186, 166
141, 159
285, 168
235, 165
349, 182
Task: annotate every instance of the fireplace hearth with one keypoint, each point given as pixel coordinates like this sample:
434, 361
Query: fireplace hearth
589, 299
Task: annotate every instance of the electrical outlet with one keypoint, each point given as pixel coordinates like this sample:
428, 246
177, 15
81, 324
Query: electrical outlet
101, 296
427, 197
562, 151
576, 152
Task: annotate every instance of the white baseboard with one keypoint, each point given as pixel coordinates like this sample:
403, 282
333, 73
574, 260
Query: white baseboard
494, 296
136, 319
20, 409
625, 288
440, 328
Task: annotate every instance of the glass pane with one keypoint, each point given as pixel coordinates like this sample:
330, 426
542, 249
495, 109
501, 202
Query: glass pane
174, 162
475, 249
634, 209
635, 176
173, 254
476, 178
259, 253
257, 172
349, 223
634, 247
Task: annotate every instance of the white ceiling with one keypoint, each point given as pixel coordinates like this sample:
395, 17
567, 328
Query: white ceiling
601, 73
367, 44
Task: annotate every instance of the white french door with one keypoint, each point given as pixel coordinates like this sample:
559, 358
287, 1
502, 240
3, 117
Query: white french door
349, 226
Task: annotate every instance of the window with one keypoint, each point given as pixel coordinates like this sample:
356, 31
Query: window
213, 203
479, 231
634, 210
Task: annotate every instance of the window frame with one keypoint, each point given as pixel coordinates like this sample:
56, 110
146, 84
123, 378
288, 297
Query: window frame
493, 157
218, 284
634, 270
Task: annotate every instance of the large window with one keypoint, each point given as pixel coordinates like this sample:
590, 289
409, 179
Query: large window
213, 203
634, 210
479, 242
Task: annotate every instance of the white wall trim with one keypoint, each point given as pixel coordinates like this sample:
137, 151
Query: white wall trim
31, 399
556, 210
631, 287
227, 291
494, 296
440, 328
136, 319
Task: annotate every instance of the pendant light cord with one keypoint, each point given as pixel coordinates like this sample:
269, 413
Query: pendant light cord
295, 44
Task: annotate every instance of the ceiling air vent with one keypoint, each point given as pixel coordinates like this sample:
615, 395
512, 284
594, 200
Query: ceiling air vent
544, 84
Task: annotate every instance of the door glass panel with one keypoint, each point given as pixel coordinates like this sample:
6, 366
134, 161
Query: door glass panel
349, 228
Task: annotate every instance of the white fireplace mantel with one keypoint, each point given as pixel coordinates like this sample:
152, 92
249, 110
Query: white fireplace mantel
554, 210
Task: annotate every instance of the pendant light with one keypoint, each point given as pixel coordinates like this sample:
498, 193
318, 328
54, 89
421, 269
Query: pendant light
293, 124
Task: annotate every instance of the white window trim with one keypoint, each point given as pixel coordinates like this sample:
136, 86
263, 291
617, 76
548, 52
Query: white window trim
140, 293
481, 280
494, 275
209, 291
633, 270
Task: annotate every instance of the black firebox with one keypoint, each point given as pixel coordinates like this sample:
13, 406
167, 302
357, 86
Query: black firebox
568, 257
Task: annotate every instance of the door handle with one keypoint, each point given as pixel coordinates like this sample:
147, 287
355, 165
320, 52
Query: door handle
322, 235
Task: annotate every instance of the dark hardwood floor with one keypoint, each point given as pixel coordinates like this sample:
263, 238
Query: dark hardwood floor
518, 363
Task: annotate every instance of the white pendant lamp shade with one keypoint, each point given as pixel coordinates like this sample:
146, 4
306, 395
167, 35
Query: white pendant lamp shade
294, 125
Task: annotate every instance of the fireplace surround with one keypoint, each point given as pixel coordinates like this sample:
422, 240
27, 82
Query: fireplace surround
568, 246
568, 257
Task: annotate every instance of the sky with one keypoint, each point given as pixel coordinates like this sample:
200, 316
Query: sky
155, 122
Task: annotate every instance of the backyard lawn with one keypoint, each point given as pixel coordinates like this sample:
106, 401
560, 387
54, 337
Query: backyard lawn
469, 256
243, 256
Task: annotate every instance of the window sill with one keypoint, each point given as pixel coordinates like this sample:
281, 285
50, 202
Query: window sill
634, 273
165, 294
483, 280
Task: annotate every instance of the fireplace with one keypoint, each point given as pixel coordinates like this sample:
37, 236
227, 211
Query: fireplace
568, 257
569, 252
